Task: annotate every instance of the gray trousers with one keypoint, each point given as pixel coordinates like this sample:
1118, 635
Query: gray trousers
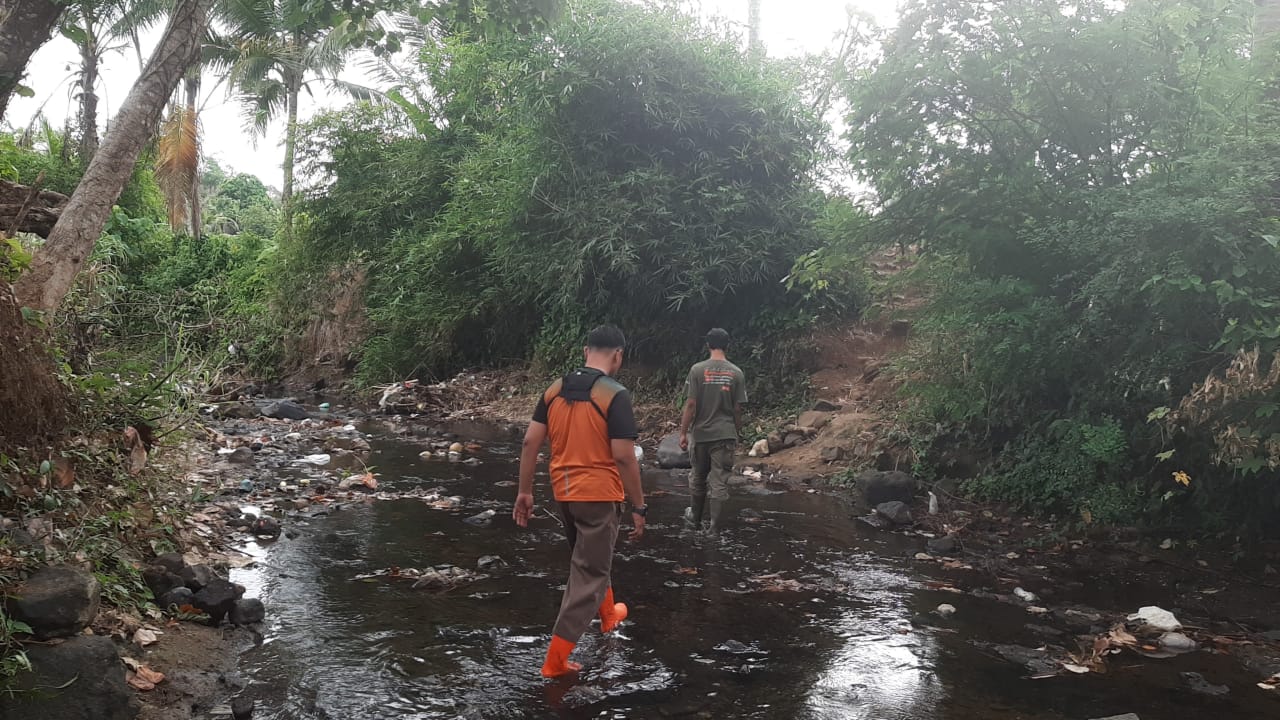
592, 531
712, 466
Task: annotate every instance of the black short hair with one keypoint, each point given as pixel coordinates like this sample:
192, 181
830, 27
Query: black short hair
606, 337
718, 339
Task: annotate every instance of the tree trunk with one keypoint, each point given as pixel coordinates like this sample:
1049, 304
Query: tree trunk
753, 28
53, 272
32, 401
294, 88
193, 93
25, 25
89, 60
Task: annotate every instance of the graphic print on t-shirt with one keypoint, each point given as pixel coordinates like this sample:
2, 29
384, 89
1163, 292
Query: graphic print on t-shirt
721, 378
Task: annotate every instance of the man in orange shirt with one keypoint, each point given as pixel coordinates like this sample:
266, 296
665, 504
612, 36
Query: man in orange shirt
592, 427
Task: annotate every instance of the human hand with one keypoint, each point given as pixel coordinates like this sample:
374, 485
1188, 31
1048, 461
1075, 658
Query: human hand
638, 531
684, 441
523, 509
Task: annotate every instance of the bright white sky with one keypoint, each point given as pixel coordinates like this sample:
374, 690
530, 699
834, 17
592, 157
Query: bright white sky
789, 27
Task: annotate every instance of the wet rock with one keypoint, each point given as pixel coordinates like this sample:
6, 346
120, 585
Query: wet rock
1177, 643
944, 610
1272, 635
750, 515
56, 602
1126, 716
172, 562
346, 443
301, 504
733, 646
1043, 630
241, 456
792, 439
1036, 660
242, 708
813, 419
79, 679
875, 521
895, 512
176, 597
670, 455
1198, 684
826, 406
483, 519
248, 611
944, 545
160, 581
490, 562
885, 486
760, 448
285, 410
266, 526
197, 577
235, 411
218, 599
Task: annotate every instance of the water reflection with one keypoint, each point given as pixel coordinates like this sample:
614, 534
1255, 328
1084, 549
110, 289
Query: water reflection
705, 639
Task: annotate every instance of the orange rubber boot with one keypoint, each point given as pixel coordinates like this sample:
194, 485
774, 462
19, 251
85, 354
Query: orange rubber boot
557, 662
611, 613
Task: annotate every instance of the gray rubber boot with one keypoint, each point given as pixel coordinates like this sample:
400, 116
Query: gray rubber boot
693, 514
717, 517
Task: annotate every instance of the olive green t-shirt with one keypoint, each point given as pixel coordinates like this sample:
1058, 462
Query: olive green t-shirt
716, 386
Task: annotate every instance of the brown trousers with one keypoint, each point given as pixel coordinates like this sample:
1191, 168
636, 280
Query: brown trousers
592, 530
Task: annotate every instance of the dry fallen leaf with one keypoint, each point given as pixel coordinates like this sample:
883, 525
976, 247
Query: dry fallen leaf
144, 637
137, 453
137, 683
1077, 669
369, 481
687, 571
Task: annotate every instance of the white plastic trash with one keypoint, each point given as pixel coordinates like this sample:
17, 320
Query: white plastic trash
639, 453
319, 460
1158, 618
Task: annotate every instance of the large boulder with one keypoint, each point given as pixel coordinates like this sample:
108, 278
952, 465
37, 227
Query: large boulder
57, 601
881, 487
218, 599
248, 611
670, 455
196, 577
160, 581
79, 679
285, 410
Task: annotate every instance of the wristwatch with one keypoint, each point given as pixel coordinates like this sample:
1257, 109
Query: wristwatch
640, 510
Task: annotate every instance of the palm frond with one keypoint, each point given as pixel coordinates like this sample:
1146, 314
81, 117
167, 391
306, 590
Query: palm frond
249, 18
262, 104
178, 162
137, 15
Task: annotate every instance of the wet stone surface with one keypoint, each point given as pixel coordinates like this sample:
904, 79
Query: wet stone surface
798, 612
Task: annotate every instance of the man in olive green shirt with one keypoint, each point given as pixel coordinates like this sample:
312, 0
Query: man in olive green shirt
712, 421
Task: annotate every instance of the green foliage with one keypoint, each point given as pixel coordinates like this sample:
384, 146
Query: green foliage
237, 204
1094, 190
13, 660
629, 166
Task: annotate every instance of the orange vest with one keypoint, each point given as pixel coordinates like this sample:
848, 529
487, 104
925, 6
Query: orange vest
582, 465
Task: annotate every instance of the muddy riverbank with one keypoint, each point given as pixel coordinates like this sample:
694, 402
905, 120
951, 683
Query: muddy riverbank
804, 612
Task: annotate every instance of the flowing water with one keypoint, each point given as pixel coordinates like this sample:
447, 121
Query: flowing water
704, 638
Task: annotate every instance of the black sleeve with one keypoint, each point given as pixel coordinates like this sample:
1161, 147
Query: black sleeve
540, 412
622, 419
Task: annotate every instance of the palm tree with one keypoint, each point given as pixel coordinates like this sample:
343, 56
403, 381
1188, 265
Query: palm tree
98, 27
271, 51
